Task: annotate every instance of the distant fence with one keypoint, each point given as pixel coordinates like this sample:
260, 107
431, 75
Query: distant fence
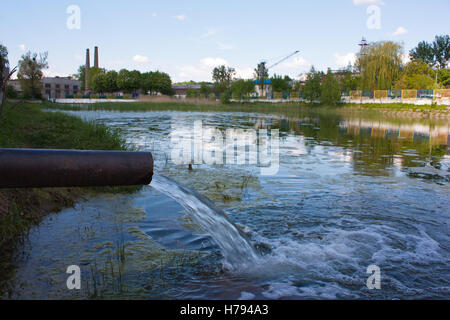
398, 94
419, 97
374, 94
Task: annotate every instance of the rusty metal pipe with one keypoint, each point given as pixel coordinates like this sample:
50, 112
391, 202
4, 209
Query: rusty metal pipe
35, 168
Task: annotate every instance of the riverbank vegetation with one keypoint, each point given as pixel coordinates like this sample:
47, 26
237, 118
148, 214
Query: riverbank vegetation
381, 65
384, 66
103, 81
27, 126
266, 107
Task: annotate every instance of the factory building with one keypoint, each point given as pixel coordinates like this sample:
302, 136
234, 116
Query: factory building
57, 88
54, 87
62, 87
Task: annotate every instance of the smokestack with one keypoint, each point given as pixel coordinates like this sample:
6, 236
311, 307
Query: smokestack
87, 68
96, 57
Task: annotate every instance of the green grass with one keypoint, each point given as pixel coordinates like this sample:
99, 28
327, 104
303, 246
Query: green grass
401, 106
27, 126
234, 106
129, 106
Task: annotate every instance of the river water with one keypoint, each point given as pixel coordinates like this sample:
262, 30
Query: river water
353, 189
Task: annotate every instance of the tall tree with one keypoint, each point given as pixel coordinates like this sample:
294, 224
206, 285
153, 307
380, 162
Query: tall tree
423, 51
417, 74
148, 82
111, 81
93, 73
30, 74
164, 83
330, 90
124, 81
5, 89
135, 80
4, 72
242, 88
349, 80
261, 74
444, 77
80, 74
205, 88
222, 77
280, 84
312, 89
4, 63
435, 54
156, 82
380, 64
441, 50
4, 76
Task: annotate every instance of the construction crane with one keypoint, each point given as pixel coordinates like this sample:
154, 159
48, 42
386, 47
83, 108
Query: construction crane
262, 66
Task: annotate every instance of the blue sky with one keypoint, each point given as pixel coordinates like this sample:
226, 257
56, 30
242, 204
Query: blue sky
188, 38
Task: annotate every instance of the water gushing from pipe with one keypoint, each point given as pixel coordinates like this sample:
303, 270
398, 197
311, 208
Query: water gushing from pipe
234, 245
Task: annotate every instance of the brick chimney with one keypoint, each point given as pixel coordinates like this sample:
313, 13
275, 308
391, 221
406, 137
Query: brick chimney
96, 57
86, 72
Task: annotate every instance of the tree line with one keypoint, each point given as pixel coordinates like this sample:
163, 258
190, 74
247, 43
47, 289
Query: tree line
380, 66
102, 81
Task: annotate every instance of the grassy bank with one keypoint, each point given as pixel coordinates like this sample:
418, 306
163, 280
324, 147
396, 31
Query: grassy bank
402, 106
27, 126
256, 106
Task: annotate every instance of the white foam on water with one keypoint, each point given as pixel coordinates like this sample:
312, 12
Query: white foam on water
246, 296
335, 266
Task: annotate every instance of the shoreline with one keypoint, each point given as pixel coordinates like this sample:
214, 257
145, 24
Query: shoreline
401, 111
28, 126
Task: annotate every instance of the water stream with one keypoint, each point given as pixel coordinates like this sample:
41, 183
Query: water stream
353, 189
235, 247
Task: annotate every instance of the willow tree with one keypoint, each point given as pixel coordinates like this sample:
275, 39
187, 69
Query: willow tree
380, 65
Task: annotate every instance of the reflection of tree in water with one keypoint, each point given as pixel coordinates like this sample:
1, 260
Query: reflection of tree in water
374, 149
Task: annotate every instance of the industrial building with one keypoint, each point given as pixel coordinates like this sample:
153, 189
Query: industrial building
62, 87
54, 87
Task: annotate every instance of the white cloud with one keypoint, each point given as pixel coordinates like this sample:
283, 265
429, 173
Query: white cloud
201, 71
22, 47
367, 2
224, 46
180, 17
297, 62
405, 58
400, 31
154, 14
303, 77
195, 73
140, 59
292, 67
345, 60
213, 62
245, 73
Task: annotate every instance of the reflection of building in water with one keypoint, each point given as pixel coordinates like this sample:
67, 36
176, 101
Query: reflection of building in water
435, 135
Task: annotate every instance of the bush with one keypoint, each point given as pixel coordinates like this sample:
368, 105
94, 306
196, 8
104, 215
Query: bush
11, 93
330, 90
225, 97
